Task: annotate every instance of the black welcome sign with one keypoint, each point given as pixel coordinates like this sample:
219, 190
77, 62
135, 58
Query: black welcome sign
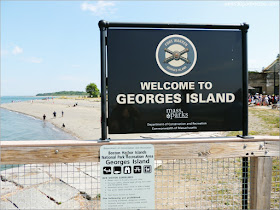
175, 79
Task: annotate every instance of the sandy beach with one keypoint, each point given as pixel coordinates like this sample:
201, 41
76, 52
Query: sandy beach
83, 120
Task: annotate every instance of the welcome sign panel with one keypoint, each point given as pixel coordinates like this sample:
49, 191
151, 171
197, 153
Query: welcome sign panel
174, 80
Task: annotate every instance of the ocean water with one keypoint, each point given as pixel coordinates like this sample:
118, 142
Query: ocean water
15, 126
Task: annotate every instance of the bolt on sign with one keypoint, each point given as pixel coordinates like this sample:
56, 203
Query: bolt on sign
175, 79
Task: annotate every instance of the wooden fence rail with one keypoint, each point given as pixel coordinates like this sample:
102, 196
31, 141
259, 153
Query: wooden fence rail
260, 149
67, 151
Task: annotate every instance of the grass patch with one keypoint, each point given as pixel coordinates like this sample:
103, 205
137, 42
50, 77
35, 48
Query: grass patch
255, 133
269, 116
267, 123
274, 133
275, 184
98, 196
159, 168
252, 133
234, 133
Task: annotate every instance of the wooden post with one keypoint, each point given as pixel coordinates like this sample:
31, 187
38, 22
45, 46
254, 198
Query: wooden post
260, 185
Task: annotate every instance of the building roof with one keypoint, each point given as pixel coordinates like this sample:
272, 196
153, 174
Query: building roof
271, 66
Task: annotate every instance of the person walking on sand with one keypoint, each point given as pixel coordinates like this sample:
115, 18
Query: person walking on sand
62, 113
63, 125
54, 114
44, 117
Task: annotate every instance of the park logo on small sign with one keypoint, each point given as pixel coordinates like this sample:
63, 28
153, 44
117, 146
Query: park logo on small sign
176, 55
176, 114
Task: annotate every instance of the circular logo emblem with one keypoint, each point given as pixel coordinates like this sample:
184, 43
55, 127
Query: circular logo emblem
176, 55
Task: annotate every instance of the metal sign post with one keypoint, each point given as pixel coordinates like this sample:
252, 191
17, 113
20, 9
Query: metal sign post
245, 160
103, 31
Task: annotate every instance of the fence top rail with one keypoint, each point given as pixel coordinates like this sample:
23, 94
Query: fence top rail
53, 143
59, 151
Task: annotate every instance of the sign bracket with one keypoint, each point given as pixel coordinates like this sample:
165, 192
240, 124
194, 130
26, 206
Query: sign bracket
245, 137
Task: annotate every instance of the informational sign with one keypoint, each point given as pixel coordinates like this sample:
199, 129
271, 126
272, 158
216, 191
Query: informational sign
127, 176
173, 80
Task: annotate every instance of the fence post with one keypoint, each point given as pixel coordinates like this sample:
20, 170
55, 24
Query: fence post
260, 184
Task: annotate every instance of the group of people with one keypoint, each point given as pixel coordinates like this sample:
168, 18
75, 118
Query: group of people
54, 115
263, 100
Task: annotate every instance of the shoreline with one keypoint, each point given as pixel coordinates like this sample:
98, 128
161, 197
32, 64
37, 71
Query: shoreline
76, 119
83, 121
28, 115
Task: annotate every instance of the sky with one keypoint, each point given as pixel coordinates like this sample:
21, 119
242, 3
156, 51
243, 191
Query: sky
49, 46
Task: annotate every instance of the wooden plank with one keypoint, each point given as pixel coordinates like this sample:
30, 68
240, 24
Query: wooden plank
63, 154
207, 150
163, 151
260, 184
48, 143
272, 148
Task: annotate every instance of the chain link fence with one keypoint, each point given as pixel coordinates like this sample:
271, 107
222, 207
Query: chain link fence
275, 184
179, 184
199, 184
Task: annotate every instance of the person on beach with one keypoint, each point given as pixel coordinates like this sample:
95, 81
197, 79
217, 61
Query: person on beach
62, 113
44, 117
54, 114
63, 125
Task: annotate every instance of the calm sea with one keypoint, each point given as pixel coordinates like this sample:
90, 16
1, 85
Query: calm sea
16, 126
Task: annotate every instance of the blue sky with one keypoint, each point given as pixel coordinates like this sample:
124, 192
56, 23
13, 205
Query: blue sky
49, 46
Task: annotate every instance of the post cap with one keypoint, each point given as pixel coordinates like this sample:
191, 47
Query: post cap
103, 24
245, 26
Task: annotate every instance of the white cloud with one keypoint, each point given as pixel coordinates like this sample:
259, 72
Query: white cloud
17, 50
99, 8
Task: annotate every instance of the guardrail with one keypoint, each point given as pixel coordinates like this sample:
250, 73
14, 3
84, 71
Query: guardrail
202, 173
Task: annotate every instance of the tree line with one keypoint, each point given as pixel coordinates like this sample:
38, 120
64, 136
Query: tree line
91, 91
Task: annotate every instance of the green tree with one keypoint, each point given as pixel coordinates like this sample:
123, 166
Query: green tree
92, 90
